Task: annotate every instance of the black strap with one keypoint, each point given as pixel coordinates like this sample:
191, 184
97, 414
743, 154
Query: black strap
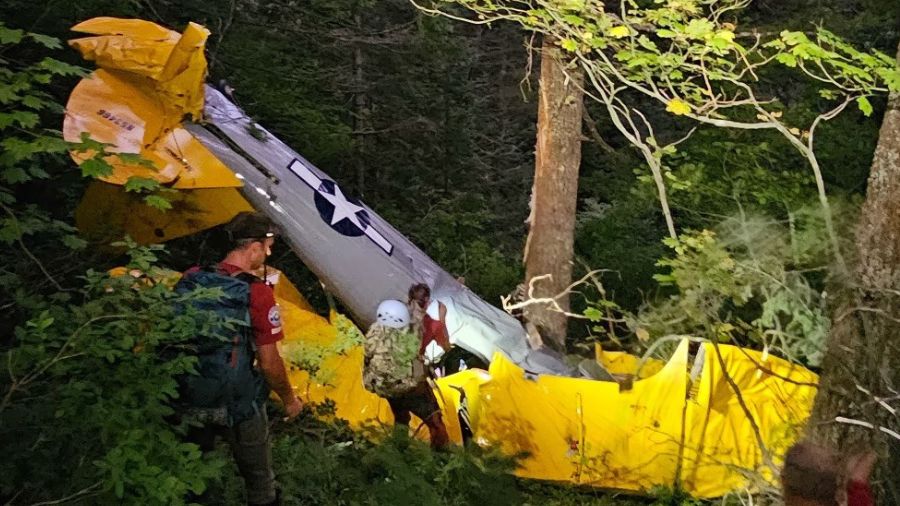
244, 276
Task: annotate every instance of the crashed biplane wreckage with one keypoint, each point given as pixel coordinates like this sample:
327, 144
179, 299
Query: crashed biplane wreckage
708, 422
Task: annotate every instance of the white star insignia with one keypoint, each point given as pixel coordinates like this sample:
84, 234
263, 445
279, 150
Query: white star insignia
343, 208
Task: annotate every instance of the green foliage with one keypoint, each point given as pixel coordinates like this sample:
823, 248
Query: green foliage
622, 237
455, 232
838, 63
684, 55
325, 464
753, 281
87, 394
309, 356
30, 155
85, 391
690, 49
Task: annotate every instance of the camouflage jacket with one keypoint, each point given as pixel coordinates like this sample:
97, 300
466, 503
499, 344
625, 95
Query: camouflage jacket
392, 365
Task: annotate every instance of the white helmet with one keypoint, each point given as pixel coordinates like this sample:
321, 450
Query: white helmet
393, 313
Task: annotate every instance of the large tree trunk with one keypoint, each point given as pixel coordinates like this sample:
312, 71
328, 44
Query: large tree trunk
861, 370
549, 247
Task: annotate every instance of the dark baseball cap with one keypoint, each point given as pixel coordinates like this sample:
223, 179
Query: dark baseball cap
250, 225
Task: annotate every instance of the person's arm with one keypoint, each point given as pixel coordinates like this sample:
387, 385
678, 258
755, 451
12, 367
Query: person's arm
443, 337
265, 316
272, 367
368, 348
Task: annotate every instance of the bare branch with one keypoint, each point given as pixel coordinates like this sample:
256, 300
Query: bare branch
28, 252
861, 423
76, 495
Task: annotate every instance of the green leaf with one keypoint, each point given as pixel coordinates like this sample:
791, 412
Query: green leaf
46, 40
678, 107
33, 102
699, 28
158, 202
10, 36
96, 167
569, 45
573, 5
52, 143
140, 184
664, 279
619, 32
38, 173
59, 68
85, 143
7, 94
135, 159
25, 119
10, 231
14, 175
593, 314
573, 20
864, 105
647, 44
74, 242
16, 149
891, 77
787, 59
794, 38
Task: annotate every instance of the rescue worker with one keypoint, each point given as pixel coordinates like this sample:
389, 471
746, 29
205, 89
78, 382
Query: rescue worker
430, 329
817, 476
393, 369
227, 395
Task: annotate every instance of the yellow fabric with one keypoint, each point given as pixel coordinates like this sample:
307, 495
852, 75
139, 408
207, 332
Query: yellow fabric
107, 212
133, 45
174, 62
619, 362
150, 79
721, 442
586, 431
286, 292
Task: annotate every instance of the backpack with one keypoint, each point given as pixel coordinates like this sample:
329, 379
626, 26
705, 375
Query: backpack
225, 376
392, 366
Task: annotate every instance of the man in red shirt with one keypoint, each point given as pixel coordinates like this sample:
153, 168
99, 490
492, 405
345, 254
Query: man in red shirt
251, 236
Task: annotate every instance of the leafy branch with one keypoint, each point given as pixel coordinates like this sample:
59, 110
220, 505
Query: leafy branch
684, 55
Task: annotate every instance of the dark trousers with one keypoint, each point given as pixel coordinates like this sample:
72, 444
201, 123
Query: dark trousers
252, 451
421, 402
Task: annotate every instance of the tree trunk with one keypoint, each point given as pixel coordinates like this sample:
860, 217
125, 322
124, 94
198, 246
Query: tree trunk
861, 371
550, 243
362, 112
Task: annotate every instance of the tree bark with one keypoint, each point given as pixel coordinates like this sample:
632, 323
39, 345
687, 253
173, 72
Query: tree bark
861, 372
550, 243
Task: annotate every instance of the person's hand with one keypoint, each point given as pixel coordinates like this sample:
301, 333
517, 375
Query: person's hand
293, 408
